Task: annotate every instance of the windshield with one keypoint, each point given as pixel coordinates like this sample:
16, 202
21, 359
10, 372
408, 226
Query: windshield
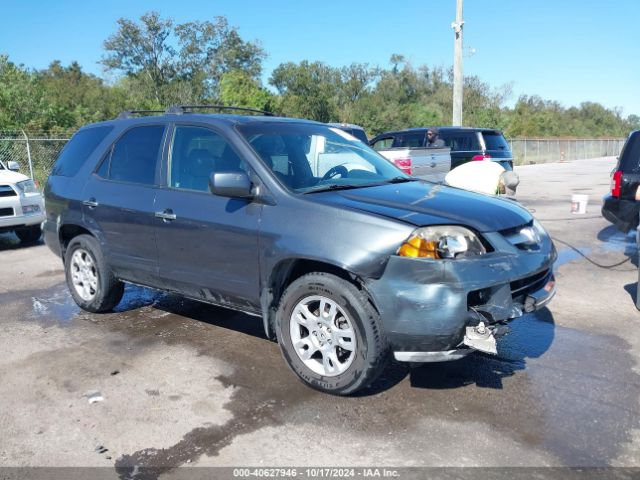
308, 158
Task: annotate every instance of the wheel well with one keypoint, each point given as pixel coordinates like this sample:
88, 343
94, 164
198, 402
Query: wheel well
68, 233
287, 272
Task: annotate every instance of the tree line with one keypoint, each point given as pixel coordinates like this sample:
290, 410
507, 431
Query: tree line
157, 63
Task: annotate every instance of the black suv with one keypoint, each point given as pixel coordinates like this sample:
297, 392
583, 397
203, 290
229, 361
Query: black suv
346, 259
622, 207
466, 143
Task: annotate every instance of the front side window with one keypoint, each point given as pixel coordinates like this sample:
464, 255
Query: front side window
133, 158
307, 158
412, 140
196, 153
383, 143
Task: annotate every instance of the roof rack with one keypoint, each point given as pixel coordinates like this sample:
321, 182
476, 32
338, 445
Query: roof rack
131, 113
180, 109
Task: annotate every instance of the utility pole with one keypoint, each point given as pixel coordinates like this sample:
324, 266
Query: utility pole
457, 65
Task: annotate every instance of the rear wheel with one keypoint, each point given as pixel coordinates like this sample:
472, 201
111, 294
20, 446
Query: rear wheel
29, 234
330, 335
92, 285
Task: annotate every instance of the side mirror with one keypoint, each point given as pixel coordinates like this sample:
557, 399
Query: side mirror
231, 184
13, 166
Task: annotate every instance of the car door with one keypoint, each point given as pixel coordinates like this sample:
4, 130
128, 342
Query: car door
207, 244
118, 203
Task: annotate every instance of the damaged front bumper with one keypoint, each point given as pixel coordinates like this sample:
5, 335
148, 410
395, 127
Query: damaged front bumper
432, 309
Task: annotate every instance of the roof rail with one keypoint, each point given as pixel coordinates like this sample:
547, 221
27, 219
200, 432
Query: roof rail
131, 113
180, 109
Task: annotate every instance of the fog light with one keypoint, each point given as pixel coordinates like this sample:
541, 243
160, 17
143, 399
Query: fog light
30, 209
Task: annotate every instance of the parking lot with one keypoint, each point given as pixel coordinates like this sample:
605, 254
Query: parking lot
182, 383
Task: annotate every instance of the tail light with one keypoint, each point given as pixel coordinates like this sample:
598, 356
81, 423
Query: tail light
477, 158
403, 164
616, 183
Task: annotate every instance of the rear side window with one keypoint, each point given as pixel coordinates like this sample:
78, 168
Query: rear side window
134, 157
79, 148
630, 155
411, 140
461, 142
495, 141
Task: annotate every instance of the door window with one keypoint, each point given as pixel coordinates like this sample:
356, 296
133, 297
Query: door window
383, 143
133, 158
196, 153
412, 140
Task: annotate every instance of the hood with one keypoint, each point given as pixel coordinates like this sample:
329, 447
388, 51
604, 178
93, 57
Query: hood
7, 176
422, 203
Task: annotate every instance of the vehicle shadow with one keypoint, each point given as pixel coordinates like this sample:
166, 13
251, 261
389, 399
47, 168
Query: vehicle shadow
616, 241
136, 297
626, 243
9, 241
530, 337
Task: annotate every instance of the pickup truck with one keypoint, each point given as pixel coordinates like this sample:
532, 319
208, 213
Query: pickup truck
422, 162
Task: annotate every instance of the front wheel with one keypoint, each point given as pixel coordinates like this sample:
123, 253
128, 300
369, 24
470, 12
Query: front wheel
330, 334
92, 285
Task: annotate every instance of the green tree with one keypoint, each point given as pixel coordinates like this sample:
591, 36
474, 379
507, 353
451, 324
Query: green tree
146, 53
22, 101
238, 88
307, 90
143, 49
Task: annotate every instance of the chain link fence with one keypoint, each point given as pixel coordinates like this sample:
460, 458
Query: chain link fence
36, 152
544, 150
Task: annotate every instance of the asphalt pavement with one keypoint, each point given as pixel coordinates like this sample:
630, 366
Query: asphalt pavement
166, 382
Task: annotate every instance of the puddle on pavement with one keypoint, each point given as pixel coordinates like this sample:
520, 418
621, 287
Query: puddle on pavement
55, 306
570, 393
567, 255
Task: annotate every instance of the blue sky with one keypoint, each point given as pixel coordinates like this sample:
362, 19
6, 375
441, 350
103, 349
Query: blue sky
565, 50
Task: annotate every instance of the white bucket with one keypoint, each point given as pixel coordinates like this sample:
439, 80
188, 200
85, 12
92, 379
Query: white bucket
579, 204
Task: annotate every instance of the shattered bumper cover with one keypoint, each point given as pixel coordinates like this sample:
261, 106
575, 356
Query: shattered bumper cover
426, 305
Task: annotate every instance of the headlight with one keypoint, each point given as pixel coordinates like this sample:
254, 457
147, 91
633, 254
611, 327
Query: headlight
27, 186
539, 228
442, 242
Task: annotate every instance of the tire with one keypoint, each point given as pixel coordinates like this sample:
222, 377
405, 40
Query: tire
29, 234
348, 314
89, 278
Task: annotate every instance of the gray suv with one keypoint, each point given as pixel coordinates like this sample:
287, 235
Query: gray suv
347, 260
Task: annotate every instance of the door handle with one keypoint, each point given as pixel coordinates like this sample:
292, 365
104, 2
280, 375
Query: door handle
166, 215
91, 203
433, 164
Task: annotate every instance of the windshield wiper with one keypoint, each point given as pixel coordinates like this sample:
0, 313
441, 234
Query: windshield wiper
335, 187
401, 180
